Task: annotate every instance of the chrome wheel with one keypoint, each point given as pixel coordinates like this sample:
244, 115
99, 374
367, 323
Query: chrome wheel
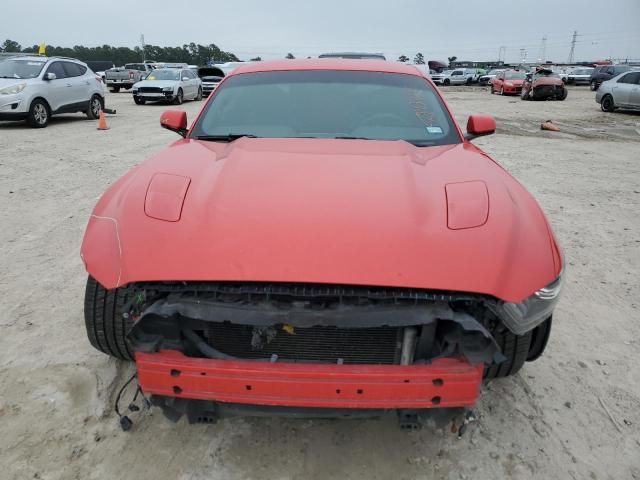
40, 114
96, 106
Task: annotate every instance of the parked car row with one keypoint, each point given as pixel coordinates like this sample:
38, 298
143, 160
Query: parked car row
458, 76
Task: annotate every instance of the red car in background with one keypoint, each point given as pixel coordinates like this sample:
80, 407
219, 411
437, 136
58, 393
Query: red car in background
324, 238
508, 82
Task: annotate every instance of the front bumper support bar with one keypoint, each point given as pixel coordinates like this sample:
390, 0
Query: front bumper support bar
445, 382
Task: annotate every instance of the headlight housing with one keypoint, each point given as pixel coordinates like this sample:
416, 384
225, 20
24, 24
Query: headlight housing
532, 311
167, 89
13, 89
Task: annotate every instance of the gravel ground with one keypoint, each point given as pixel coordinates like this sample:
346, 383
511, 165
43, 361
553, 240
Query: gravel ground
575, 413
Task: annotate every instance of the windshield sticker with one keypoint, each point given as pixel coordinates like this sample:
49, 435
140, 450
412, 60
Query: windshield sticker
151, 77
434, 130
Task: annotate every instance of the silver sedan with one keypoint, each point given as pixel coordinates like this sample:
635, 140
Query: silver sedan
622, 92
168, 85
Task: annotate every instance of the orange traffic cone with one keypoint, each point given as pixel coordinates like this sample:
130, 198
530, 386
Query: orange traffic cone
548, 125
102, 122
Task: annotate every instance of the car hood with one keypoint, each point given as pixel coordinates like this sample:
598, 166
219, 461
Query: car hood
515, 82
156, 83
9, 82
323, 211
542, 81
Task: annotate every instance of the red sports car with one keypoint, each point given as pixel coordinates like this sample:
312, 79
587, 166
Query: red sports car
323, 238
508, 82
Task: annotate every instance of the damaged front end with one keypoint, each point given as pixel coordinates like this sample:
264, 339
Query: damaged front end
200, 347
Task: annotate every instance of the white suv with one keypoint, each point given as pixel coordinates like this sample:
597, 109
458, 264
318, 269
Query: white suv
33, 88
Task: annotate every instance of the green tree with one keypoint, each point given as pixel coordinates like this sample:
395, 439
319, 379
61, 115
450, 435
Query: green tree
403, 58
418, 59
256, 59
10, 46
289, 56
451, 60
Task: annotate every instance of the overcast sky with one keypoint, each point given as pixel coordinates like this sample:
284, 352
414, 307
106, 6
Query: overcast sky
468, 29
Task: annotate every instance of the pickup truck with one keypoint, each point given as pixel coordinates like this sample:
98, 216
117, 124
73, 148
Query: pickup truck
125, 77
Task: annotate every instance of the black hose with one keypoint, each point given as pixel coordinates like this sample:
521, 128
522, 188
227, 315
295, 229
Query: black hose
206, 350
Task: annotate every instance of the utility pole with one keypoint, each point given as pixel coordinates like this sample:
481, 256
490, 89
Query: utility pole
502, 53
142, 44
573, 46
542, 54
523, 55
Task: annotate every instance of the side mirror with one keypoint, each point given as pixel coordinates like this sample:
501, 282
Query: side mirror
175, 120
480, 125
50, 76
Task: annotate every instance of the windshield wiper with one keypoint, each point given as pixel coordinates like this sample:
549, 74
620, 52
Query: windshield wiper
346, 137
230, 137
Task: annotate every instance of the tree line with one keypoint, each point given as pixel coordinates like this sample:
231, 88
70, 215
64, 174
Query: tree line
193, 54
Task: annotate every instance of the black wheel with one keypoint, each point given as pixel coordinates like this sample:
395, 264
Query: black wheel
514, 347
593, 86
607, 104
115, 89
39, 114
446, 82
524, 95
492, 90
539, 339
469, 81
199, 96
106, 328
563, 95
179, 98
138, 100
95, 106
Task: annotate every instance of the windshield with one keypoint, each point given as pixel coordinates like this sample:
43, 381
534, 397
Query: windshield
19, 68
328, 104
514, 75
164, 74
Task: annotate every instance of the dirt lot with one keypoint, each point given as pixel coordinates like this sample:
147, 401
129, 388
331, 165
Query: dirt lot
553, 420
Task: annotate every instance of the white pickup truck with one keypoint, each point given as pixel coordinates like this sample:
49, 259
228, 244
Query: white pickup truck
125, 77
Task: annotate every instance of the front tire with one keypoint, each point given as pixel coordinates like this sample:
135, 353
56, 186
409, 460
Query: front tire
106, 327
593, 86
39, 113
607, 104
199, 96
95, 107
115, 89
516, 350
563, 95
446, 82
525, 94
139, 101
179, 98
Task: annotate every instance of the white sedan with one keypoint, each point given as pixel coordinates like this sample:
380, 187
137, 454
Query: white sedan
168, 85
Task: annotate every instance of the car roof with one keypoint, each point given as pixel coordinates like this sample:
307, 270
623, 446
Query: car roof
365, 65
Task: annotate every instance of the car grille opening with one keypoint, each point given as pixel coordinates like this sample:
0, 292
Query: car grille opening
150, 90
379, 345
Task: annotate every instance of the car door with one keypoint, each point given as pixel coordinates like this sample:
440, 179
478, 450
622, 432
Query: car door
58, 92
634, 96
185, 82
623, 90
498, 81
79, 85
